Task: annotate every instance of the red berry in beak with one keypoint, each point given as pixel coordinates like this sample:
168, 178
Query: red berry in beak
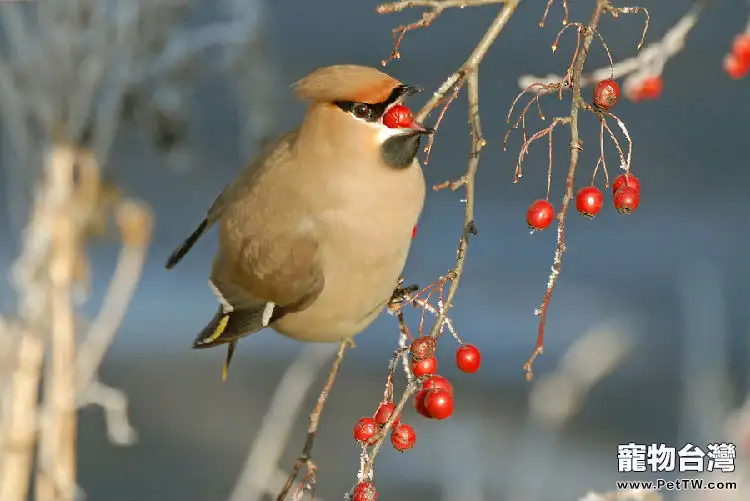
398, 116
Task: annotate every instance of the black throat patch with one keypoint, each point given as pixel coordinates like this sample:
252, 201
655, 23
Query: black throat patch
399, 151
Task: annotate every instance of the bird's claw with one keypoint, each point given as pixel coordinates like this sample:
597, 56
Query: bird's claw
401, 294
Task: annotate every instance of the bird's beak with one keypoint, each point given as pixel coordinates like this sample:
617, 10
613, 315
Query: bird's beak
417, 127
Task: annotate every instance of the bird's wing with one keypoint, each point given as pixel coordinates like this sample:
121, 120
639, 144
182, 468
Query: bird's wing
278, 275
282, 268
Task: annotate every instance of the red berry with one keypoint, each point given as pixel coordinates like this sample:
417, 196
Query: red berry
423, 347
606, 94
419, 403
364, 491
735, 66
403, 437
589, 201
398, 116
626, 200
424, 367
626, 179
741, 47
438, 383
439, 404
365, 429
540, 215
468, 358
650, 88
384, 413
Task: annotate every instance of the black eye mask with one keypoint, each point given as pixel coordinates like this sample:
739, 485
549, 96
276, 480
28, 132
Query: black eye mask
372, 112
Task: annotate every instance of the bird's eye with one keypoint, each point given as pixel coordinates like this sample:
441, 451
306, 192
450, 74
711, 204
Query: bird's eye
361, 110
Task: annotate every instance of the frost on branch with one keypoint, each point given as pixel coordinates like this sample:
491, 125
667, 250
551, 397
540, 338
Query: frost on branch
642, 72
72, 74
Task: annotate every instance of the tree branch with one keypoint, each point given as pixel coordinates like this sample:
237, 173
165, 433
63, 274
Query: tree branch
20, 419
467, 74
272, 437
576, 146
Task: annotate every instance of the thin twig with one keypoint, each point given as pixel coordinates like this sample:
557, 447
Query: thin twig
435, 9
114, 403
471, 66
305, 457
135, 222
273, 435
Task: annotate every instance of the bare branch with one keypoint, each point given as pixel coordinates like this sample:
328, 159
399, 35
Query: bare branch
576, 145
134, 220
471, 68
546, 12
436, 8
114, 402
305, 457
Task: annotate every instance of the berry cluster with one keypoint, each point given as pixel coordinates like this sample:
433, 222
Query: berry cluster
626, 196
434, 400
737, 62
398, 116
626, 189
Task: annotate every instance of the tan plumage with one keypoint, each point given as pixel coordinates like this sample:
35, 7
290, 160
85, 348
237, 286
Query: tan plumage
346, 83
314, 234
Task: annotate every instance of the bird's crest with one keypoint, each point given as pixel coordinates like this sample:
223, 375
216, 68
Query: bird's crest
346, 82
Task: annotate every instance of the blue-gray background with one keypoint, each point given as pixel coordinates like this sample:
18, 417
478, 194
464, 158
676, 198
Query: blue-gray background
675, 273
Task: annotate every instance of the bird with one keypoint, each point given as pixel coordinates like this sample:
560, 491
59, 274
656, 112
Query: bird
314, 233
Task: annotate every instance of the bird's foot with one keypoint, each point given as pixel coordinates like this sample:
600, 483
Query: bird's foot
401, 294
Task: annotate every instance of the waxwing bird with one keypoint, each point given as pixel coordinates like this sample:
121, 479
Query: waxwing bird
314, 233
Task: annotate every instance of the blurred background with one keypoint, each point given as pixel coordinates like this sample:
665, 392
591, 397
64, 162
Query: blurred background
647, 333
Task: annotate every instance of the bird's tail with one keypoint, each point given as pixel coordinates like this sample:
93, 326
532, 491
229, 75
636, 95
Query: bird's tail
227, 328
